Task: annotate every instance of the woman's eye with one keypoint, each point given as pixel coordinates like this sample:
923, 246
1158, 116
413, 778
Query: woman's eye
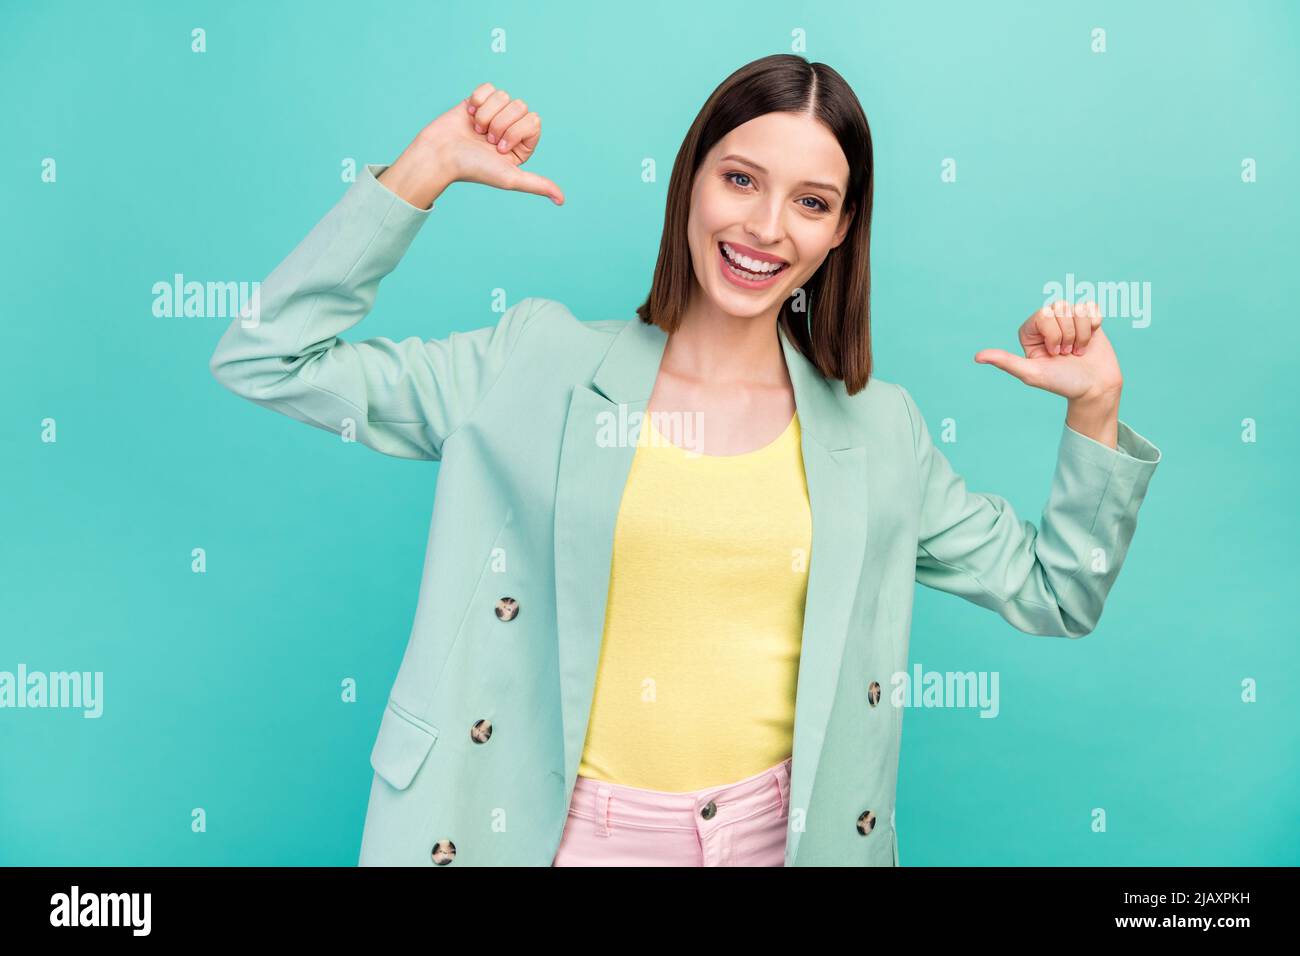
819, 205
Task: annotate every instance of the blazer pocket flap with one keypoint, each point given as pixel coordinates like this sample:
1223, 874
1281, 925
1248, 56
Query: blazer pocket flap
403, 743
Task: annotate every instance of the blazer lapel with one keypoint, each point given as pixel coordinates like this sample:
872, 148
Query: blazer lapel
596, 453
600, 433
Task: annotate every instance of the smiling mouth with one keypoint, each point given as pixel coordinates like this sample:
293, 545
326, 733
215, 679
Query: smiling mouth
760, 271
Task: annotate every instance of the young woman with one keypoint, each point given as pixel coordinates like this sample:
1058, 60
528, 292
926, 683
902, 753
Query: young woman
672, 557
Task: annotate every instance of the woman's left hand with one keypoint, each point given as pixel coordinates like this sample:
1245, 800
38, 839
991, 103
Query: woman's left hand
1066, 353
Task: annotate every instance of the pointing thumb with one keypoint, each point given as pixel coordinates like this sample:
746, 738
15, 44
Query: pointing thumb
526, 182
1021, 368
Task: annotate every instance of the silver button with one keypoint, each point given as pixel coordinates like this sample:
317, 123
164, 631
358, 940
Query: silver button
709, 810
444, 851
873, 693
481, 732
507, 608
867, 822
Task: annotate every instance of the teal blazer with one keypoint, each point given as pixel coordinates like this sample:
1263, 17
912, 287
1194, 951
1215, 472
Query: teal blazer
534, 422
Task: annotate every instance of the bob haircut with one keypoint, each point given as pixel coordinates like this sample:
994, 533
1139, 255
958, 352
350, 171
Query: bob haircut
836, 338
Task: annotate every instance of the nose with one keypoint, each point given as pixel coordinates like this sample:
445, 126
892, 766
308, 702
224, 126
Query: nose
764, 224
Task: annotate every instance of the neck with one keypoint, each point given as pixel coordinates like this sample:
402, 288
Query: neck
713, 346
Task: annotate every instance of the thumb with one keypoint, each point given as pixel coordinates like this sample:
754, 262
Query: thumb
526, 182
1021, 368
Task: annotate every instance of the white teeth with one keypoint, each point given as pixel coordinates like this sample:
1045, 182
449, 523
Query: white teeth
751, 265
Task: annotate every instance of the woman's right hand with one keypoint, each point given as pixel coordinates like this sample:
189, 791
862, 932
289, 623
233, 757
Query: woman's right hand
486, 146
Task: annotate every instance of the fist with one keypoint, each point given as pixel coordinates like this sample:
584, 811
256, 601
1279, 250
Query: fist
486, 138
1066, 352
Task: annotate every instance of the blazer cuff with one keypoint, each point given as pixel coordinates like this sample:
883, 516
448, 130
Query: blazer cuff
369, 182
362, 238
1128, 467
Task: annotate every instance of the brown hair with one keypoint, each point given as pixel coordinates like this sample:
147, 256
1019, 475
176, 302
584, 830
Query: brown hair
837, 336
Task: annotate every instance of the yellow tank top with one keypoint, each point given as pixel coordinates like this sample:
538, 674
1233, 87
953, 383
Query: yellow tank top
696, 681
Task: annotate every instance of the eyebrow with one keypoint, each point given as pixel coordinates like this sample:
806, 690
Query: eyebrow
806, 182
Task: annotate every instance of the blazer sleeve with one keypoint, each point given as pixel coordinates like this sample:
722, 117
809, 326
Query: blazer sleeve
1051, 579
402, 398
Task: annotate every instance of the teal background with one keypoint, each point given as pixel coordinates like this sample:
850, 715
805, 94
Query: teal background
222, 689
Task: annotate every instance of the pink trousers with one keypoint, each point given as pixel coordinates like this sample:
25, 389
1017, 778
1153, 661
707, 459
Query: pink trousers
736, 824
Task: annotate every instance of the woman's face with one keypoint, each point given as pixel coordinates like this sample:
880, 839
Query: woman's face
771, 190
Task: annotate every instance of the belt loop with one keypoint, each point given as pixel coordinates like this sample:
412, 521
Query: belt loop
783, 784
602, 811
